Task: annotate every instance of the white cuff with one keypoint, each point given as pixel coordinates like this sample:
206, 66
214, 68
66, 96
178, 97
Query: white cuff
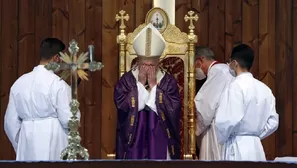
151, 102
143, 95
168, 155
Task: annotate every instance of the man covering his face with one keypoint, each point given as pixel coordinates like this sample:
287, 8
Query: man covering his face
148, 104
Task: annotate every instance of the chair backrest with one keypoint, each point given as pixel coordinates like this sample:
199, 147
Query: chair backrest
177, 59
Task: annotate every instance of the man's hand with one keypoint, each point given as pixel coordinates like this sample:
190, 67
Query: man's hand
142, 75
152, 80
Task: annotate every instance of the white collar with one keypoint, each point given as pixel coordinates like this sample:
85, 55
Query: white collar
245, 74
210, 66
41, 68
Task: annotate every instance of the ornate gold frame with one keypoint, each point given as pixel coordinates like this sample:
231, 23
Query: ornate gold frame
178, 44
151, 12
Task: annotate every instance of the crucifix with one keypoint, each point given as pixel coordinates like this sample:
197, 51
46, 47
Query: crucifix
75, 66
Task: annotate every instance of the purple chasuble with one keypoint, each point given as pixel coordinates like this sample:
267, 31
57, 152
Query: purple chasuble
144, 134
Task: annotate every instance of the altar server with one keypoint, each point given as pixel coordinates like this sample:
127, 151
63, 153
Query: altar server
246, 113
36, 119
207, 100
148, 104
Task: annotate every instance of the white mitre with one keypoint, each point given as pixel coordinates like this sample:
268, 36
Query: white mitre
149, 42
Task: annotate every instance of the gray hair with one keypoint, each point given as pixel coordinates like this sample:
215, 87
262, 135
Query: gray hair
204, 51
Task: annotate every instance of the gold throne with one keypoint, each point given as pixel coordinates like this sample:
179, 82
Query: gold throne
177, 59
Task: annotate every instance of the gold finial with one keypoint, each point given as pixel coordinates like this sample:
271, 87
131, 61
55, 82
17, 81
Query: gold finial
122, 17
73, 47
121, 39
190, 18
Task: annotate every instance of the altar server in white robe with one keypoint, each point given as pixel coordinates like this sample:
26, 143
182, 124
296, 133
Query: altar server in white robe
246, 113
36, 119
207, 100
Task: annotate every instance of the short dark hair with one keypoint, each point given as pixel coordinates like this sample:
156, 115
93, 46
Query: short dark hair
244, 55
50, 47
204, 51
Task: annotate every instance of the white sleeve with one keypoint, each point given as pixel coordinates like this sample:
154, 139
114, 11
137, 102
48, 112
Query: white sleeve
61, 100
208, 97
12, 122
146, 98
229, 113
151, 102
143, 95
273, 120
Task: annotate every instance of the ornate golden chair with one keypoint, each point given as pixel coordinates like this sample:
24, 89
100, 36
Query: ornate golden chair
177, 59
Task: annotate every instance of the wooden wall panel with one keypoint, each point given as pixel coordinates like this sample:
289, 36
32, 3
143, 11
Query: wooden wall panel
202, 25
266, 25
43, 24
217, 28
294, 77
141, 9
250, 29
233, 27
9, 65
26, 36
1, 79
93, 98
110, 59
284, 76
60, 20
267, 58
181, 8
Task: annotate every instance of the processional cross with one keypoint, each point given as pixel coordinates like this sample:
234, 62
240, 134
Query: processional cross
75, 67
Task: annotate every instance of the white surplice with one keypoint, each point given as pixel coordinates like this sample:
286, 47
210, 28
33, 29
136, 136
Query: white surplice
148, 98
245, 116
37, 115
207, 101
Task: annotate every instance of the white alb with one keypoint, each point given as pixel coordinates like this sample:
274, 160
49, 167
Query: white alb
36, 119
207, 102
245, 116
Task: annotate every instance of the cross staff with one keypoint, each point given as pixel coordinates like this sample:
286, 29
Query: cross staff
191, 18
121, 39
122, 18
74, 66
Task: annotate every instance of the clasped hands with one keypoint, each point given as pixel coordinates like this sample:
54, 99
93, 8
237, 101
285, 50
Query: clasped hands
147, 73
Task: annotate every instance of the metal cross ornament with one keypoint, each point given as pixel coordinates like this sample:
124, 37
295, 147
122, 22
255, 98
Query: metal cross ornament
75, 66
190, 18
122, 17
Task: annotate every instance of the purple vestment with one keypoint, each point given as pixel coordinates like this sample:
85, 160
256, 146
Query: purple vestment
144, 134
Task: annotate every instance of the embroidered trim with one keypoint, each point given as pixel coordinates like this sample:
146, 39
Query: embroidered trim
148, 42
